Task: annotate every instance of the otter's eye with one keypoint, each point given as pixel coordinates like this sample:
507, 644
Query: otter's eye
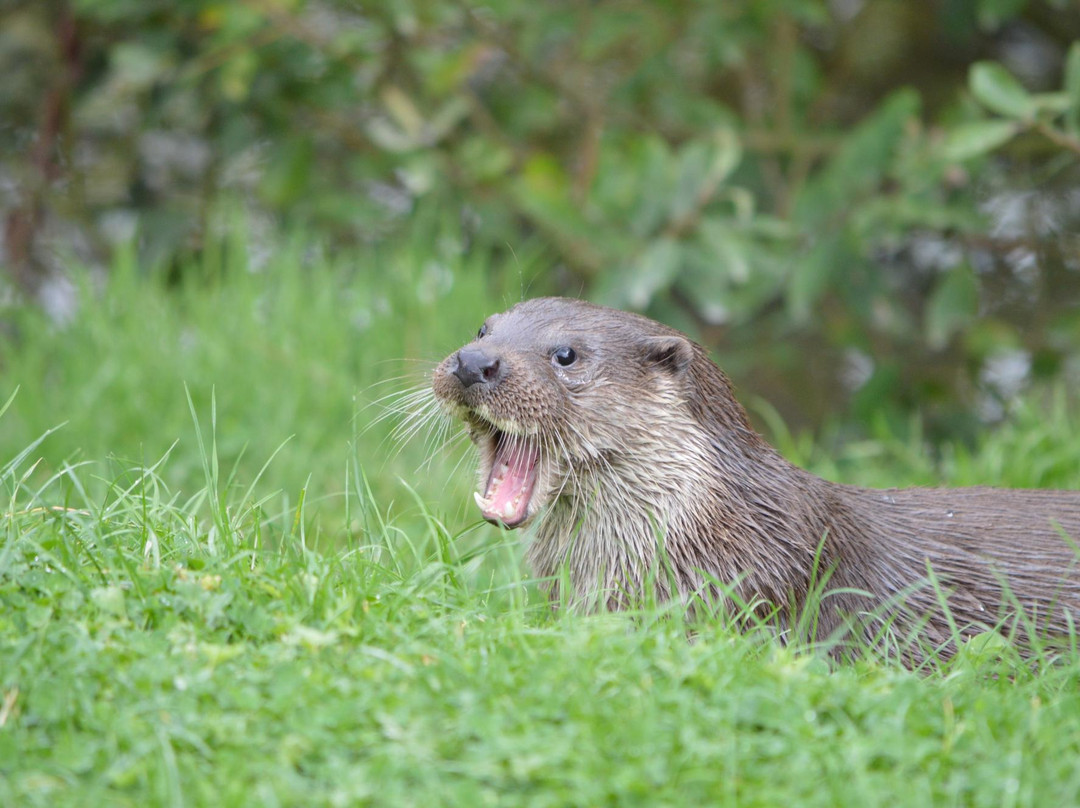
565, 356
482, 332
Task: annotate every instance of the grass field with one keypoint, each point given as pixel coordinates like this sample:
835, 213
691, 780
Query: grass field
222, 583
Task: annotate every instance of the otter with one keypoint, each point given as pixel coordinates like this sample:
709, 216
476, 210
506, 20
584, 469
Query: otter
624, 443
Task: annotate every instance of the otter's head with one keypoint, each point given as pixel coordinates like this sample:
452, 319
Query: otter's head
554, 388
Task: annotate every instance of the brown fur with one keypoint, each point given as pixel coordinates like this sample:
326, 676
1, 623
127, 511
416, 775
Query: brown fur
643, 445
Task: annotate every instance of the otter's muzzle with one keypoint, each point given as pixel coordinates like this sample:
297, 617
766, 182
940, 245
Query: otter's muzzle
475, 366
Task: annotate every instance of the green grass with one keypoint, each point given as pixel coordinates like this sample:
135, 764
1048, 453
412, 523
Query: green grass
221, 584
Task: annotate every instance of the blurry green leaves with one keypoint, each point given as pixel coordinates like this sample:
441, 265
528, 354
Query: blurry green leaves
236, 75
139, 67
651, 271
812, 275
953, 305
828, 208
702, 167
992, 13
681, 225
288, 173
859, 164
976, 138
997, 90
734, 163
1055, 115
643, 192
134, 70
484, 160
734, 268
1072, 90
405, 128
657, 219
543, 192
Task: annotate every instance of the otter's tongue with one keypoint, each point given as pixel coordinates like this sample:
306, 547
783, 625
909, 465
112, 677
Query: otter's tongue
513, 477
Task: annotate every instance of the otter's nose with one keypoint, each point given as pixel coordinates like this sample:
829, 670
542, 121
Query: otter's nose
474, 366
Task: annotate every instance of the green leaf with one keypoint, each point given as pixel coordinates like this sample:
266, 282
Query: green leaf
402, 110
703, 166
1072, 74
1072, 89
138, 66
726, 154
984, 651
655, 187
542, 193
727, 249
992, 13
651, 271
976, 138
999, 91
953, 304
288, 175
405, 127
483, 159
445, 119
865, 156
237, 75
1054, 103
812, 275
693, 172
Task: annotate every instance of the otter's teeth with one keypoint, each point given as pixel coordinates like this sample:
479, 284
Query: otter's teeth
508, 511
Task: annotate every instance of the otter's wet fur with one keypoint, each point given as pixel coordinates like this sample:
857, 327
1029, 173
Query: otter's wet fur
641, 470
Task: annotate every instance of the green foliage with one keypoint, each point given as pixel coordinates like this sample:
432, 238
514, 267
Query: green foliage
763, 173
299, 369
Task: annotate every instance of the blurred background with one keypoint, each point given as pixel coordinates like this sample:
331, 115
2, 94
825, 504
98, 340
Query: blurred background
868, 209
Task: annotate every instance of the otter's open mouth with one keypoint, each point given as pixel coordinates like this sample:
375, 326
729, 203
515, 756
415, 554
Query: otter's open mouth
511, 481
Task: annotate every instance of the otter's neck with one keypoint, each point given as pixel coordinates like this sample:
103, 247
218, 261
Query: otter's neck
728, 509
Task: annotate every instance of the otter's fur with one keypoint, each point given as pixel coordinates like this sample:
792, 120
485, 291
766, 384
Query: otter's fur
636, 447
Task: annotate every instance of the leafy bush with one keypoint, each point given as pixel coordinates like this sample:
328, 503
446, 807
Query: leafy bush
847, 196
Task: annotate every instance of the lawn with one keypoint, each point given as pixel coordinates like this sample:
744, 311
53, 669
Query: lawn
224, 582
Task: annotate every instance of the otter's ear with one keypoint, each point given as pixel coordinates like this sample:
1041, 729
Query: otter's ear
673, 353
